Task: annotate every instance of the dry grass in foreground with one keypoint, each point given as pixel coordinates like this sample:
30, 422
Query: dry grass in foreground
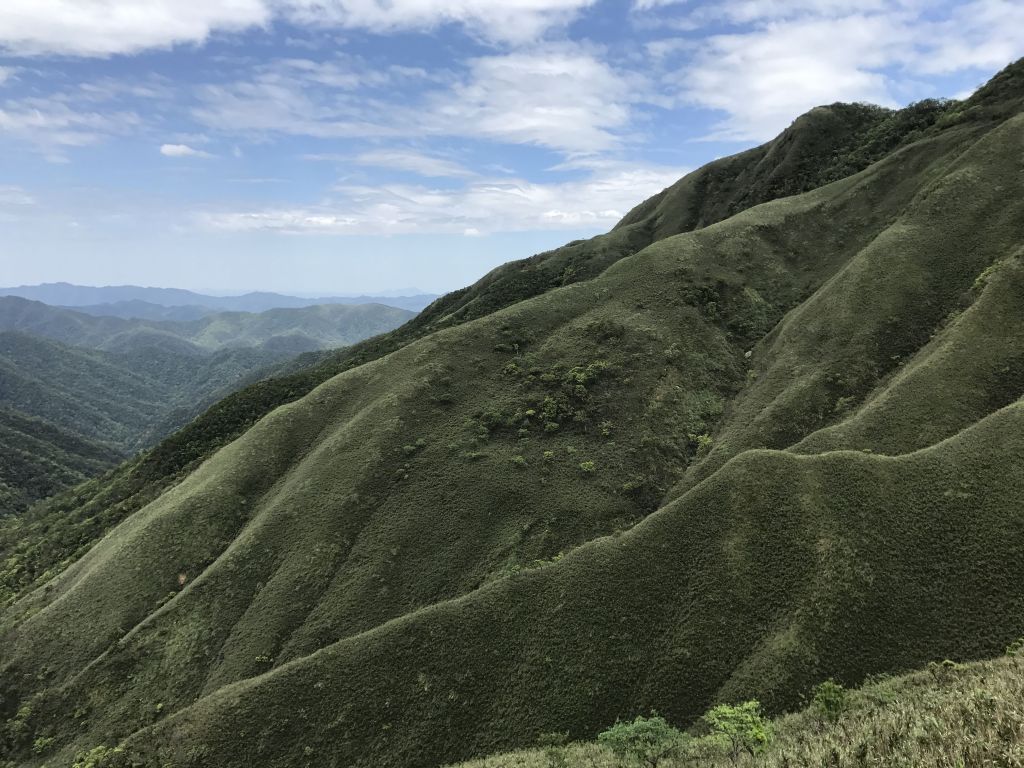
950, 716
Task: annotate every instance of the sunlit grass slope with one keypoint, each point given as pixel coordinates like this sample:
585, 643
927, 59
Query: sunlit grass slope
695, 477
822, 146
959, 715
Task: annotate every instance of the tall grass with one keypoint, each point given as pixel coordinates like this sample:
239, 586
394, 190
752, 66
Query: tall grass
960, 716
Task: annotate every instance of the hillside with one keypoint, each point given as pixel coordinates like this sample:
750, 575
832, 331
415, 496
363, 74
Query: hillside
39, 460
286, 331
78, 410
959, 714
69, 413
778, 442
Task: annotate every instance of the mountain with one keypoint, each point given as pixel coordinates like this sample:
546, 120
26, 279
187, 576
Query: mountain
39, 459
136, 302
144, 310
767, 431
68, 413
74, 411
293, 330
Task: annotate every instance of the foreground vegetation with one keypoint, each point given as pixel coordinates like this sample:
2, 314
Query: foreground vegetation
948, 716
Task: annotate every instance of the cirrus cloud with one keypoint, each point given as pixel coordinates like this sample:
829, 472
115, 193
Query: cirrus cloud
480, 207
102, 28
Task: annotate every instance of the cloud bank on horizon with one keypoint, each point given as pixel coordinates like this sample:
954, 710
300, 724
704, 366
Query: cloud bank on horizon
223, 125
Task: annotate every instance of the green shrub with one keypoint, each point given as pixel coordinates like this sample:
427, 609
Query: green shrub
553, 744
830, 700
646, 741
739, 728
587, 466
101, 757
941, 671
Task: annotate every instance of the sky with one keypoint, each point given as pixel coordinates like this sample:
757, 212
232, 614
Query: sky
351, 146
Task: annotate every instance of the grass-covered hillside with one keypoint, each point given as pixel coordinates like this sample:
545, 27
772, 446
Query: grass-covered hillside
820, 147
768, 448
947, 715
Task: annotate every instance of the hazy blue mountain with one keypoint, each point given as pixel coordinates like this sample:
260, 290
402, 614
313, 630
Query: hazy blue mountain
125, 296
144, 310
288, 331
79, 393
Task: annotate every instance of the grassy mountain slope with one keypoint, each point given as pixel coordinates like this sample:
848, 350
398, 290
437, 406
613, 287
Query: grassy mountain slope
143, 310
72, 413
373, 574
819, 148
964, 714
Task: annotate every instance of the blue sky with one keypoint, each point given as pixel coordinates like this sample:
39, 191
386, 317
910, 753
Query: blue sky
340, 146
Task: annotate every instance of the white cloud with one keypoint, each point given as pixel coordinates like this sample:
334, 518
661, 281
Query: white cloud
480, 207
649, 5
764, 79
182, 150
562, 97
984, 34
415, 162
303, 98
15, 196
52, 123
106, 27
558, 96
6, 73
787, 56
501, 20
109, 27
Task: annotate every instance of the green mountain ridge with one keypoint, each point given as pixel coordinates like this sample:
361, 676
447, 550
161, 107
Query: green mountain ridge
774, 447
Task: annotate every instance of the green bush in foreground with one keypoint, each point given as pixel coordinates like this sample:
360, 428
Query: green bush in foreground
647, 741
829, 700
739, 728
970, 717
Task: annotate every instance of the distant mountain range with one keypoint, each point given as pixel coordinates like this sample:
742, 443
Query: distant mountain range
287, 331
80, 392
133, 301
